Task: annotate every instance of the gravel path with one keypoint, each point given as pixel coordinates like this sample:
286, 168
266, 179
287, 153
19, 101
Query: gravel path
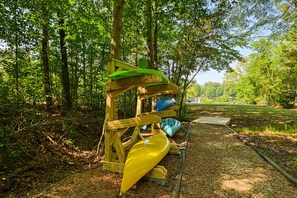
219, 165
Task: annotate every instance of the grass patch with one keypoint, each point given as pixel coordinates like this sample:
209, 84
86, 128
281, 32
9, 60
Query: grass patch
251, 118
294, 159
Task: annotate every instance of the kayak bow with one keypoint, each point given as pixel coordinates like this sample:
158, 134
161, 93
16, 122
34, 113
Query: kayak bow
142, 158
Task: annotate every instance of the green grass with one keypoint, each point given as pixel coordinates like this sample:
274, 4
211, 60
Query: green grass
251, 118
294, 159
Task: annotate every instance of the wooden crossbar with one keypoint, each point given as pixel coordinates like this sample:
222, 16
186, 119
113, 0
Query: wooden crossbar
158, 90
134, 82
162, 114
116, 65
131, 122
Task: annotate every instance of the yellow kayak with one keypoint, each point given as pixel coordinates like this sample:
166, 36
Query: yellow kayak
142, 158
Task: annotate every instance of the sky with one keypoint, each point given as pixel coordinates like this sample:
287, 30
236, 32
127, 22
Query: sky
215, 76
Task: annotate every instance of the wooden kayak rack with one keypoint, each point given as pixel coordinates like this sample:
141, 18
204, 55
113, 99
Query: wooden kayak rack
148, 85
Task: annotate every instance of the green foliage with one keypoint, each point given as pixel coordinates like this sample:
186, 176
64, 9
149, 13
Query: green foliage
195, 90
191, 36
212, 90
4, 139
15, 153
293, 159
269, 75
71, 143
184, 115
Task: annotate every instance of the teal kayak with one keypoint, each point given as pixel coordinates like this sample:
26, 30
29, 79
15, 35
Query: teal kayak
170, 126
119, 75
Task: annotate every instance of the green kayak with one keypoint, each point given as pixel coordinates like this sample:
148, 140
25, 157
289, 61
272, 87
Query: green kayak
119, 75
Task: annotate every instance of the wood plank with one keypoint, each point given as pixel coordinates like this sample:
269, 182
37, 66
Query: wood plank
118, 134
162, 114
117, 93
159, 90
134, 139
123, 65
131, 122
173, 108
115, 65
213, 120
134, 82
108, 147
120, 151
158, 172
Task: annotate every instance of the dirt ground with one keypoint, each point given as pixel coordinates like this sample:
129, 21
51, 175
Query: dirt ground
100, 183
217, 165
58, 159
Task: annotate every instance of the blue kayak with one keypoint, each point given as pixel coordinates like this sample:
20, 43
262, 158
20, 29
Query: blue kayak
165, 103
170, 126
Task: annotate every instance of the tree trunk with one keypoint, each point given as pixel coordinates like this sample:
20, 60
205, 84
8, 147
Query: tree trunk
181, 102
118, 9
117, 28
45, 59
91, 78
16, 66
84, 73
150, 53
156, 35
66, 98
75, 80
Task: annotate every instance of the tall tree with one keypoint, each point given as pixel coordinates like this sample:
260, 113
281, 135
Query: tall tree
16, 37
45, 55
118, 10
66, 98
155, 49
149, 39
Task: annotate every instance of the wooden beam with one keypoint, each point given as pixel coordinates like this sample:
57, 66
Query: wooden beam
134, 82
173, 108
134, 139
158, 172
158, 90
120, 150
117, 93
162, 114
131, 122
115, 65
108, 146
123, 65
118, 134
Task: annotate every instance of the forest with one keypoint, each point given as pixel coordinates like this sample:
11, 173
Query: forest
53, 65
56, 53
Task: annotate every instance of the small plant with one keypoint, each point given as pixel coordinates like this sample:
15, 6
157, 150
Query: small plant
16, 153
70, 143
294, 159
4, 139
184, 115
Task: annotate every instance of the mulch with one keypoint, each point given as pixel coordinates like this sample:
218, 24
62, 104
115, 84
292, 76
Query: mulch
220, 165
217, 165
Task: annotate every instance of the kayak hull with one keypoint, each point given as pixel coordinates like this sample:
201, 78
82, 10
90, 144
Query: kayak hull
170, 126
142, 158
165, 103
123, 74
